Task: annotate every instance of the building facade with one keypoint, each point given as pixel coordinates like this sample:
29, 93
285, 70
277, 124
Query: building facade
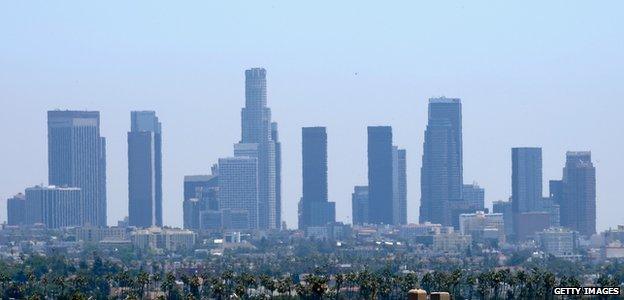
315, 208
200, 195
399, 186
77, 158
145, 170
380, 175
359, 205
526, 179
578, 208
442, 168
483, 227
238, 191
16, 210
55, 207
258, 129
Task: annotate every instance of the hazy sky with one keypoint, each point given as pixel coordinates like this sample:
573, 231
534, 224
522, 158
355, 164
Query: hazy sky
529, 73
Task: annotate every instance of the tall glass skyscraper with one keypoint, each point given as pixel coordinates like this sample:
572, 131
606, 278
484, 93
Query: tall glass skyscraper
257, 129
77, 158
441, 172
578, 206
399, 186
315, 209
238, 192
526, 179
380, 175
144, 170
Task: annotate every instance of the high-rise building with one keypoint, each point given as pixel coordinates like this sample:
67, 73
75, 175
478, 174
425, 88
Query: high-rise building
238, 192
145, 170
55, 207
257, 129
380, 175
399, 186
442, 172
359, 205
315, 208
578, 208
77, 158
526, 179
200, 195
16, 210
504, 207
278, 174
474, 196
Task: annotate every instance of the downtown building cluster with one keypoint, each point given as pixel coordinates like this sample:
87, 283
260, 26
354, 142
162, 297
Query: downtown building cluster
243, 191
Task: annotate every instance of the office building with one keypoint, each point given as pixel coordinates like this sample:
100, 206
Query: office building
526, 179
442, 168
483, 227
200, 195
474, 196
380, 175
578, 208
559, 242
16, 210
258, 129
527, 224
399, 186
77, 158
145, 170
314, 208
504, 208
278, 174
359, 205
166, 239
238, 190
54, 207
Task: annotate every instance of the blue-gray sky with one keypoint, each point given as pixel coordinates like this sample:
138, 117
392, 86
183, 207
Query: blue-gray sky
529, 73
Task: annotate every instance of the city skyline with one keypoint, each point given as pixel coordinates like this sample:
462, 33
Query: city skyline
78, 132
545, 85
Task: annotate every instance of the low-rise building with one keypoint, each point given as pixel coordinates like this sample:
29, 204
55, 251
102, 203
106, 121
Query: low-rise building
559, 241
483, 227
169, 239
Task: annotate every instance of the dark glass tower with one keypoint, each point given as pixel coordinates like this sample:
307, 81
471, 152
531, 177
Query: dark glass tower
441, 172
77, 158
526, 179
257, 129
380, 175
360, 205
315, 210
278, 175
578, 207
145, 170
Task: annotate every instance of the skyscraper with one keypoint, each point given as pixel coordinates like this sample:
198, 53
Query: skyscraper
578, 206
16, 210
399, 186
200, 195
474, 196
315, 209
238, 192
278, 175
55, 207
145, 170
441, 171
257, 129
359, 205
77, 158
526, 179
380, 175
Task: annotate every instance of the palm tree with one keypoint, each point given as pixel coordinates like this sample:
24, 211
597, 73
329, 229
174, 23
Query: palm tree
142, 281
